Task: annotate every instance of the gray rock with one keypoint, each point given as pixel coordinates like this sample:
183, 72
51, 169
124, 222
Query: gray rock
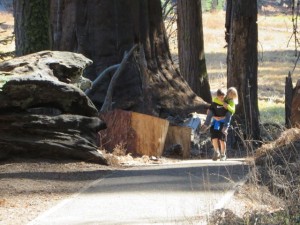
20, 93
66, 67
43, 113
63, 136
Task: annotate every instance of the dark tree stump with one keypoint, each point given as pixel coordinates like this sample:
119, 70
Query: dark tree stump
295, 111
288, 100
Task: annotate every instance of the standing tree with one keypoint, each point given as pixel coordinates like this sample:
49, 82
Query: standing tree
241, 35
191, 47
32, 27
104, 30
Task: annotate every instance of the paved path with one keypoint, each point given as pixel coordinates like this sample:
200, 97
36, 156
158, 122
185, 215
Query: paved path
181, 193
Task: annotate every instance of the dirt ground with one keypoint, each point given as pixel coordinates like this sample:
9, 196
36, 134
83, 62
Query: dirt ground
29, 187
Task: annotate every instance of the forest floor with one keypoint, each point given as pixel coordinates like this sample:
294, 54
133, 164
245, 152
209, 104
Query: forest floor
32, 186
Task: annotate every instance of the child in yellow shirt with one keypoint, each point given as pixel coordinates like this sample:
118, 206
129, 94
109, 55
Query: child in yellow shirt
228, 104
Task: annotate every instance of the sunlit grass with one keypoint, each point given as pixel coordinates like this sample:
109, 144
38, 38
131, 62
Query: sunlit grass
7, 18
6, 30
271, 112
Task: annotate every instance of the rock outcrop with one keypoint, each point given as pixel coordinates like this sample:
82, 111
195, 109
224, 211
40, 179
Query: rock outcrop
43, 109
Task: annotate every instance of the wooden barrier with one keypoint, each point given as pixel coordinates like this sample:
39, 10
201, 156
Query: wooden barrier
139, 133
182, 136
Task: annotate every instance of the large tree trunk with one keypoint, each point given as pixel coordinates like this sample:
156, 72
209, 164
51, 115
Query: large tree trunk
191, 47
103, 30
242, 61
32, 28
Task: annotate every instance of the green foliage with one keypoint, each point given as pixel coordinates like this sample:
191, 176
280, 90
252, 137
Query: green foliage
209, 5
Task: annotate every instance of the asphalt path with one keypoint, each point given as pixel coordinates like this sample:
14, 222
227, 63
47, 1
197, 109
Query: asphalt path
178, 193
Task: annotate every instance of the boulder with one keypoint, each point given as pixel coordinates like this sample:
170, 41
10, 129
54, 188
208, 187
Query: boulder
62, 136
44, 111
66, 67
20, 93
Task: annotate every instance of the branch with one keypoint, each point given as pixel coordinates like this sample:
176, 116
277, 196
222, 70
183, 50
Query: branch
164, 7
100, 77
169, 11
107, 105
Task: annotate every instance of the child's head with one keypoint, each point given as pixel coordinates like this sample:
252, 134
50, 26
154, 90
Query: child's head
232, 94
220, 94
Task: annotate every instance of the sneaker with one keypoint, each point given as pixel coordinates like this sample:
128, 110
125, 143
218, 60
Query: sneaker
225, 130
223, 157
204, 128
216, 156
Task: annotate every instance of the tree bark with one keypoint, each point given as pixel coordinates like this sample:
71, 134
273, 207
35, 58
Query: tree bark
191, 47
288, 99
103, 30
242, 63
32, 27
295, 115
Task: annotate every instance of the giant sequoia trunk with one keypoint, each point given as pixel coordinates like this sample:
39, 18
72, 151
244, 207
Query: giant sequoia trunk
241, 30
103, 30
191, 47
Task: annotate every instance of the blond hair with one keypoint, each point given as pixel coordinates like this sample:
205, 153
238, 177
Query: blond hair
232, 94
